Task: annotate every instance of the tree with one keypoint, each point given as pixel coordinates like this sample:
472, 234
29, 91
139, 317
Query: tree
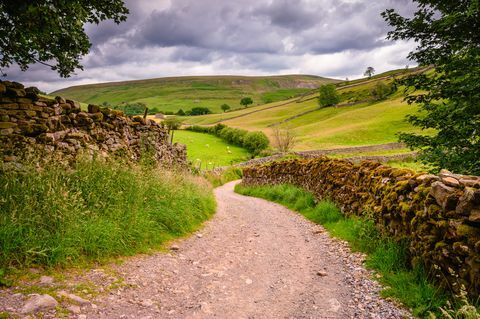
328, 95
246, 101
446, 33
225, 107
380, 91
284, 139
180, 112
172, 123
200, 111
369, 72
51, 32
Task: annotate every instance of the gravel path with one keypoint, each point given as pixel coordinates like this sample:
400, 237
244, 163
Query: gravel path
254, 259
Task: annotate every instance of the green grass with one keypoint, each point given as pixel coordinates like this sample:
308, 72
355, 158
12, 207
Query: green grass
57, 216
372, 153
410, 164
172, 94
387, 257
366, 123
208, 150
223, 177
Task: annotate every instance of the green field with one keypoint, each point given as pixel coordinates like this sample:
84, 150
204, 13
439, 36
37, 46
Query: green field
363, 124
172, 94
209, 151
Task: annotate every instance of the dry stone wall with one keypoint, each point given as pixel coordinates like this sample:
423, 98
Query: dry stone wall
39, 128
439, 216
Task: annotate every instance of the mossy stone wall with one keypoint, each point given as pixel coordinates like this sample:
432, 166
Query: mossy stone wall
39, 128
438, 215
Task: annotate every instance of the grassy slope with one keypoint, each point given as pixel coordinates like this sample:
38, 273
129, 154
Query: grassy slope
98, 210
172, 94
209, 150
360, 124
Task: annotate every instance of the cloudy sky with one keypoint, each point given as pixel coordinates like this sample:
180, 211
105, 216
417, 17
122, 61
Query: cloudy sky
332, 38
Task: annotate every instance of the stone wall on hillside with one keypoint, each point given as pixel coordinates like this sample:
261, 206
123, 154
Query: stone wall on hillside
36, 128
439, 216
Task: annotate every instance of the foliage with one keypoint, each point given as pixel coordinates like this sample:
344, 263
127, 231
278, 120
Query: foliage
43, 31
198, 111
58, 216
388, 258
153, 110
206, 151
246, 101
284, 139
449, 99
180, 113
131, 108
328, 95
381, 91
225, 107
254, 142
369, 71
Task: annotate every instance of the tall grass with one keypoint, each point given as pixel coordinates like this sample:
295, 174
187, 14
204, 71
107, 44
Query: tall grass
220, 178
387, 257
58, 216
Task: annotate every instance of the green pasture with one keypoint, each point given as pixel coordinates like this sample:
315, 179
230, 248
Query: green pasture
208, 151
172, 94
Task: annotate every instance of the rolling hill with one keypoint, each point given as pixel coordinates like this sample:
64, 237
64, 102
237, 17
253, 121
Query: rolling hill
174, 93
357, 121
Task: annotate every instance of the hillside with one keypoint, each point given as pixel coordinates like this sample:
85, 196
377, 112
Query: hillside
354, 122
174, 93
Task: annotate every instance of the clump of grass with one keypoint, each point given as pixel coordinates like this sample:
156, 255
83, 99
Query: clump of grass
223, 177
387, 257
95, 210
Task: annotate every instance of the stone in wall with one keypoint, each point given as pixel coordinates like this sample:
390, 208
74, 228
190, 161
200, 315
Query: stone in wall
37, 128
439, 216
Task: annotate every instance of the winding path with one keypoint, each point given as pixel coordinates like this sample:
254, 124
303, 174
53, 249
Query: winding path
254, 259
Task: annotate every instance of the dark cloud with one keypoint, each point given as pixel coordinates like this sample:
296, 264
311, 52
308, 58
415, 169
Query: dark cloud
293, 15
178, 37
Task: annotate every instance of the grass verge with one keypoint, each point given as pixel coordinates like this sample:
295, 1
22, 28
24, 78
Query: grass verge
222, 177
388, 258
97, 210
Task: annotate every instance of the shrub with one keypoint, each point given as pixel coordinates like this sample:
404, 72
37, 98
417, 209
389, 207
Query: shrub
381, 91
200, 111
255, 142
131, 108
328, 95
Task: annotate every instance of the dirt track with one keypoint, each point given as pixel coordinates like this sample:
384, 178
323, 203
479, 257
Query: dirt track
254, 259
